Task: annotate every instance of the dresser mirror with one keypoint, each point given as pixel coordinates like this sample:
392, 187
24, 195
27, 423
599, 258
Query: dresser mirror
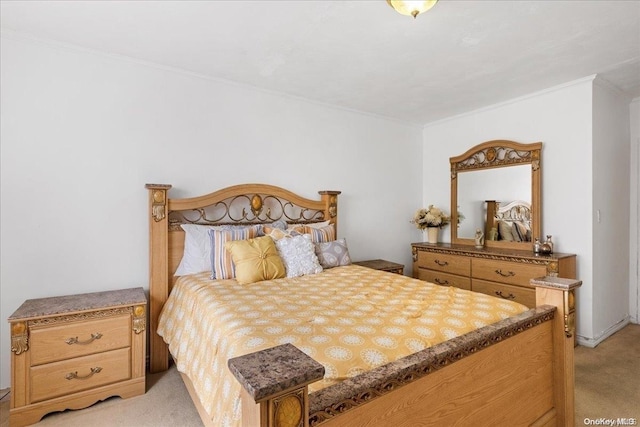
495, 187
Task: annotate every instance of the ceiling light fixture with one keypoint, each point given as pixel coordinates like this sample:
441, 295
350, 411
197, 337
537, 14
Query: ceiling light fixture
412, 7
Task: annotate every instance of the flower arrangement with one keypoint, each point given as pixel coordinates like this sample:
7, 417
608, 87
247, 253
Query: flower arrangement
431, 217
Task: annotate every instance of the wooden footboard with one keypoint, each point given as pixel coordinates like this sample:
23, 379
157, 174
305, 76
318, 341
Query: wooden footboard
518, 372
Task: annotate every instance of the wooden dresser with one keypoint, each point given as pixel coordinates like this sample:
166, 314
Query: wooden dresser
69, 352
503, 273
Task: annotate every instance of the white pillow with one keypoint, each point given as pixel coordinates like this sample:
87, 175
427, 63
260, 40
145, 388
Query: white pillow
196, 257
299, 256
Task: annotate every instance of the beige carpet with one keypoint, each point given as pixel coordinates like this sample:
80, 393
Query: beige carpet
166, 403
607, 386
608, 378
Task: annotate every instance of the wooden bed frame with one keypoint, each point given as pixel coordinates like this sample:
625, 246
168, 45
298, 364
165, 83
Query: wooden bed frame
519, 371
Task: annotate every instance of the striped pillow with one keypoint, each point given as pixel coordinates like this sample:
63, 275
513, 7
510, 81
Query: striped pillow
319, 235
196, 256
221, 262
519, 231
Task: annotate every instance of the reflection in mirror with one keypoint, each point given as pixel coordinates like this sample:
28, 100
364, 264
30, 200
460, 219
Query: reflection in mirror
509, 222
502, 185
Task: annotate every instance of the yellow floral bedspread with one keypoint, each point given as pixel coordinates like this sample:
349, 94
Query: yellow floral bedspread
350, 319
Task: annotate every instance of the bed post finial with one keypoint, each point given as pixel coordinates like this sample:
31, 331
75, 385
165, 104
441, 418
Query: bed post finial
158, 271
330, 199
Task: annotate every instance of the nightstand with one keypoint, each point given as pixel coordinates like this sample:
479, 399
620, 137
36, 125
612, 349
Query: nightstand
72, 351
380, 264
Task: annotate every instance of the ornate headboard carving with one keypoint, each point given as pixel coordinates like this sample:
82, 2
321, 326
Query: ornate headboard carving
256, 208
516, 210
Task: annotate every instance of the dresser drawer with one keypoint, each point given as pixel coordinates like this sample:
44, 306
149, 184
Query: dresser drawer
513, 273
453, 264
75, 339
82, 373
525, 296
444, 279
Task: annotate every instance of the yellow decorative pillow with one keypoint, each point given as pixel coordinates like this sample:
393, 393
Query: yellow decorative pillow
255, 260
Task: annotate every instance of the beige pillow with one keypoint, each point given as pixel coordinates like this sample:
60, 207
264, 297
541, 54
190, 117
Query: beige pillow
277, 234
505, 231
255, 260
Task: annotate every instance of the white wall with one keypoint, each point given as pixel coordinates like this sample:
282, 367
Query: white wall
83, 132
559, 117
634, 220
611, 153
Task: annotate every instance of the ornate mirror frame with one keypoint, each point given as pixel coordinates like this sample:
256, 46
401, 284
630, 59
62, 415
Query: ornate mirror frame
499, 154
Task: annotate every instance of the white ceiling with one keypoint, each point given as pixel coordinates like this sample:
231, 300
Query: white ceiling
361, 55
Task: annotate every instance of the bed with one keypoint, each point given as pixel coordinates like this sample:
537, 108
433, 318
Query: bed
508, 221
515, 368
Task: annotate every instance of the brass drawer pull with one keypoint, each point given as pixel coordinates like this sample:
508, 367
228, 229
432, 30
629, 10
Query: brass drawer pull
75, 340
75, 376
441, 282
501, 295
508, 274
441, 263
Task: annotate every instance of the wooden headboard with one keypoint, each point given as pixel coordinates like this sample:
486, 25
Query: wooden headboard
240, 204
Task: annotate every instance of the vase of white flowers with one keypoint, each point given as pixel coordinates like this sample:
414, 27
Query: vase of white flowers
432, 220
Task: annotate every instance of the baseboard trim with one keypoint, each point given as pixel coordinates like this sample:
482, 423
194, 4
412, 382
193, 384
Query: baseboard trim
593, 342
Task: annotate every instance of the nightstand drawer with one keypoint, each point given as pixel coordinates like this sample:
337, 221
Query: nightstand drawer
444, 279
82, 373
442, 262
513, 273
64, 341
518, 294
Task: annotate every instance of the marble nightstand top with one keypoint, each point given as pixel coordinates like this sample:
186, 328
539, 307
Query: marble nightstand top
55, 306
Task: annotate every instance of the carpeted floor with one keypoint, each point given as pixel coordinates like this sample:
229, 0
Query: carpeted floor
608, 379
166, 403
607, 386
